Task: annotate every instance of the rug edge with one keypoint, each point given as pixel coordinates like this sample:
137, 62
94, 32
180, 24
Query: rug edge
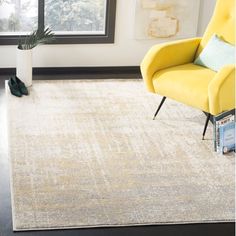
127, 225
7, 91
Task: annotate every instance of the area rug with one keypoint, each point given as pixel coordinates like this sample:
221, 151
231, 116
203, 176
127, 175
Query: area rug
88, 154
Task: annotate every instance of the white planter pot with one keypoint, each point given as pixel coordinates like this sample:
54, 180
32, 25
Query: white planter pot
24, 66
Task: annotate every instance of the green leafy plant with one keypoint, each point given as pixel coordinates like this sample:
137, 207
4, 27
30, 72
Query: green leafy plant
37, 37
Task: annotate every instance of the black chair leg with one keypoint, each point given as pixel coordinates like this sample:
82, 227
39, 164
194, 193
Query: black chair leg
206, 124
158, 109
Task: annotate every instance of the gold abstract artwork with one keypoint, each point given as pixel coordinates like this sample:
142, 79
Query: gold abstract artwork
166, 19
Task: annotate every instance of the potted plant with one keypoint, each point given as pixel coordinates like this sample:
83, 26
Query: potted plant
24, 53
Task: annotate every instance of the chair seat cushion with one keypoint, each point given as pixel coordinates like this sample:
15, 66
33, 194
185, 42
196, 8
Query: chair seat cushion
186, 83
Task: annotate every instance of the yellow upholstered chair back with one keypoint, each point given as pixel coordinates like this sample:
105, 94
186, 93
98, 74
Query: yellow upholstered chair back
222, 23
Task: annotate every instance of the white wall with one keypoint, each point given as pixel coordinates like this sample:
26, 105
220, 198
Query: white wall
205, 13
126, 51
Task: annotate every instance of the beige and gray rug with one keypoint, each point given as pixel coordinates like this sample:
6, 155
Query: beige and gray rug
88, 154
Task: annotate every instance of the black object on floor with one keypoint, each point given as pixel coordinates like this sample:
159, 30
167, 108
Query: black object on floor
21, 86
14, 88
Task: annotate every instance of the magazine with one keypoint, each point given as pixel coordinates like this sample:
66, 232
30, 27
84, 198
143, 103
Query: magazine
224, 132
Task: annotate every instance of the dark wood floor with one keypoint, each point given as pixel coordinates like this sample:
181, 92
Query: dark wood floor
214, 229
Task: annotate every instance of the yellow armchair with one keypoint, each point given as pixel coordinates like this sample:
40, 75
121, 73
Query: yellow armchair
168, 68
164, 55
221, 90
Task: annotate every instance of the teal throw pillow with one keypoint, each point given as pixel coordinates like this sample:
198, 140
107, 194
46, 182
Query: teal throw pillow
216, 54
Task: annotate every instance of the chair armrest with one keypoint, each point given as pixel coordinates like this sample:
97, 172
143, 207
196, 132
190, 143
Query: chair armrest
221, 90
165, 55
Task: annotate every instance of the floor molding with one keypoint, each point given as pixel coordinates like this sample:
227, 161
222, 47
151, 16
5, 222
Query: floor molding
116, 70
